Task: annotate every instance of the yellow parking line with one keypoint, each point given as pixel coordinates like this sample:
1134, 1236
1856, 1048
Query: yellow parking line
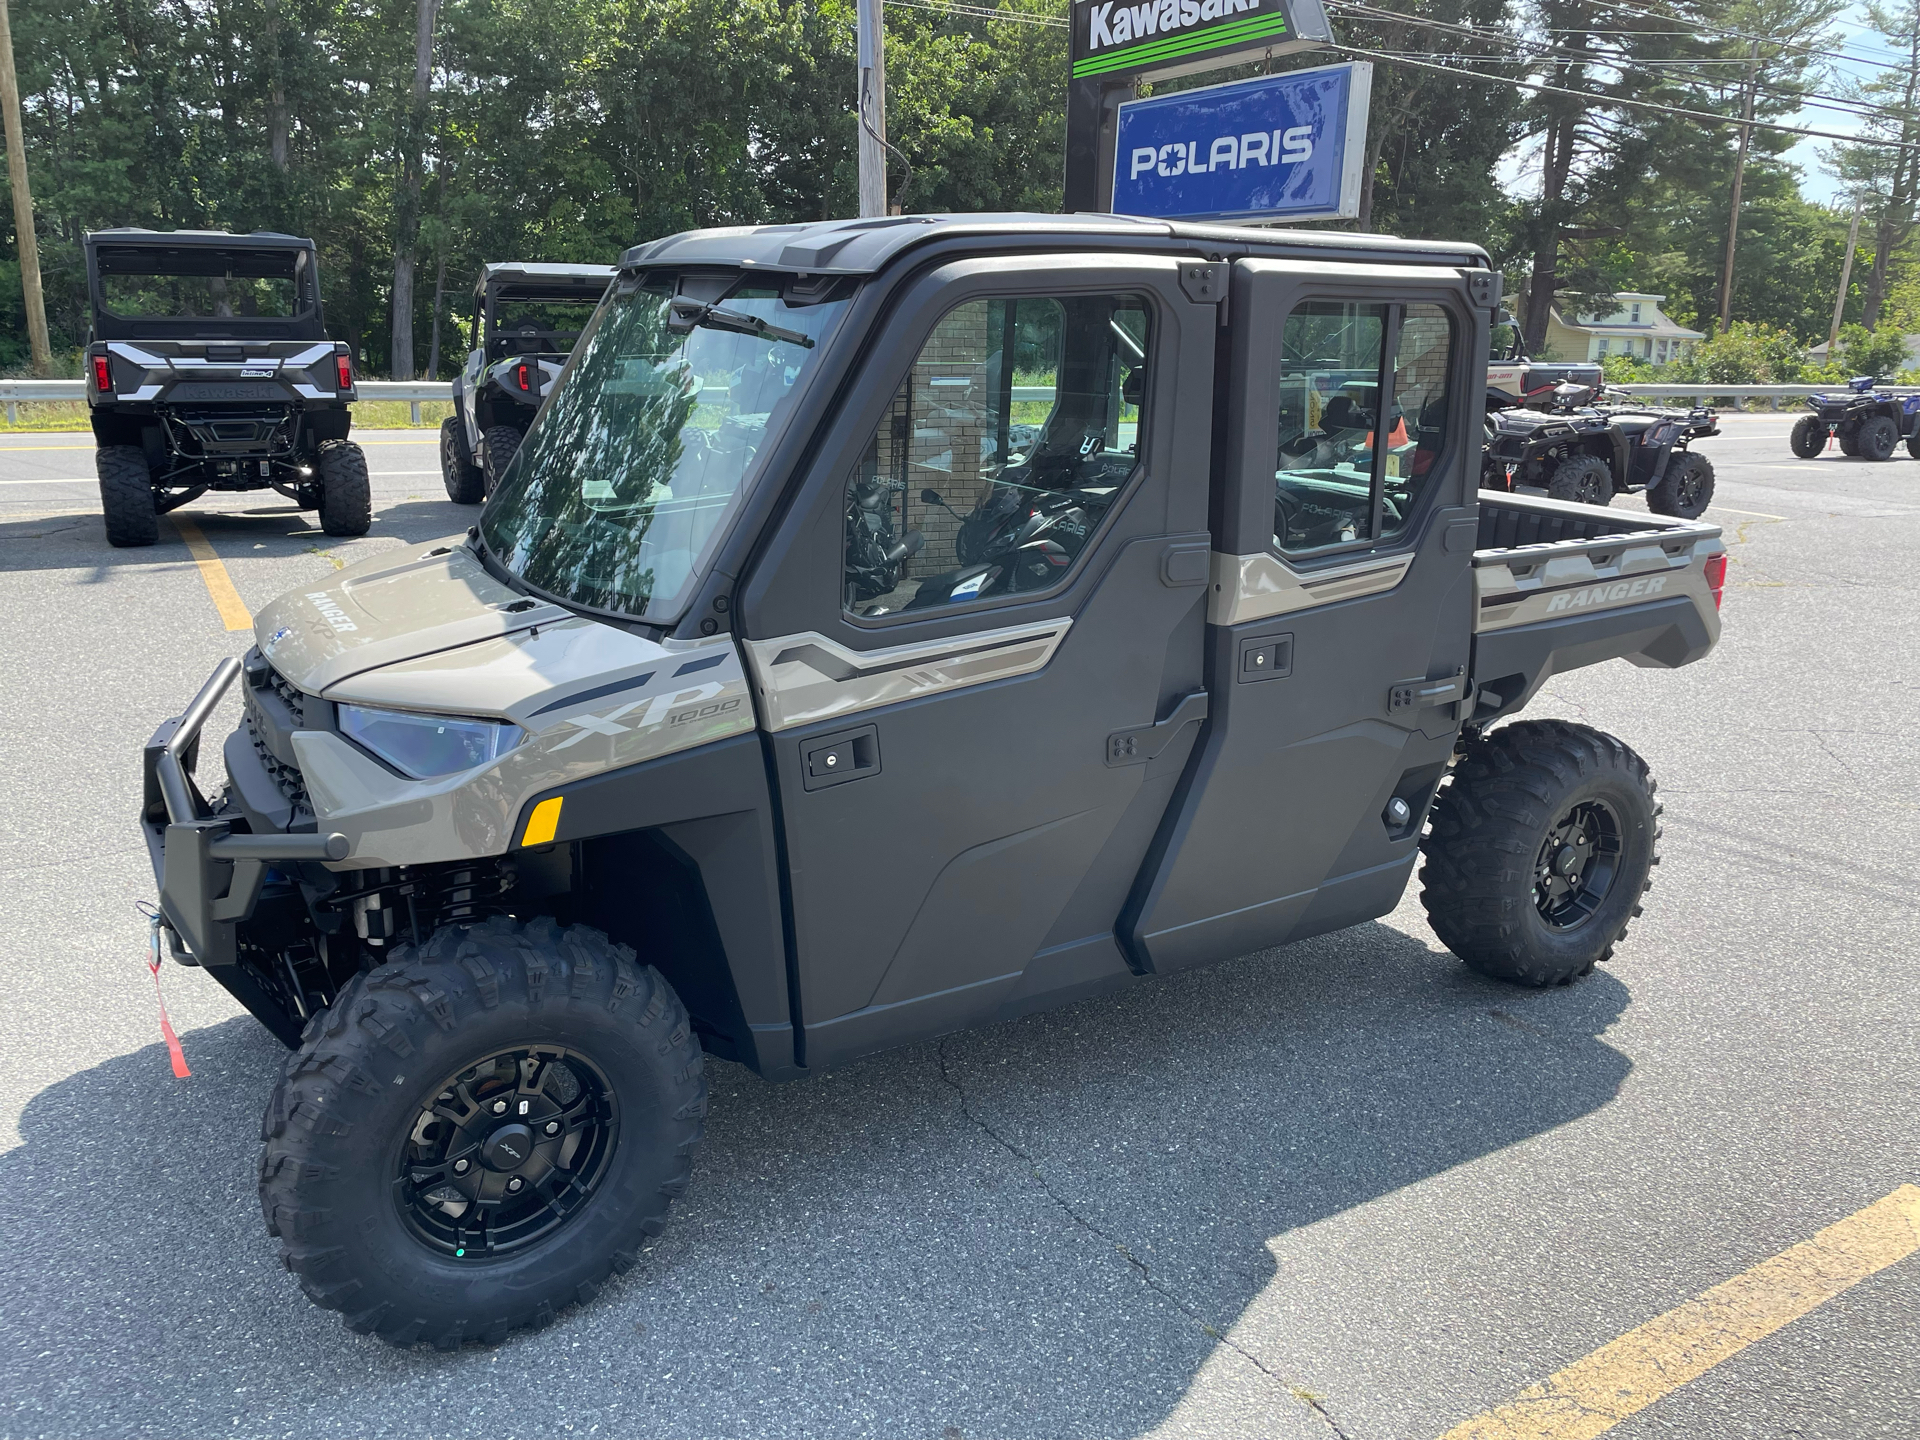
219, 584
1625, 1376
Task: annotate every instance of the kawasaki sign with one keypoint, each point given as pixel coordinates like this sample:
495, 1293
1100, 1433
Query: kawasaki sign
1158, 38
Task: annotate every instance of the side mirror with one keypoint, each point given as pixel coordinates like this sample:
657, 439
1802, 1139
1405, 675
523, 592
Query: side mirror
931, 497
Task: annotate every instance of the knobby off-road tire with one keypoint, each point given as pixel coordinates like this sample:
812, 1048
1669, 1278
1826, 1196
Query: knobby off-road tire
502, 442
465, 484
1686, 489
1584, 479
1877, 438
1808, 437
388, 1073
346, 491
126, 496
1913, 444
1503, 826
1847, 432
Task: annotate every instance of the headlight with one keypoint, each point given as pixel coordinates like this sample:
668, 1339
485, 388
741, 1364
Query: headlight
428, 746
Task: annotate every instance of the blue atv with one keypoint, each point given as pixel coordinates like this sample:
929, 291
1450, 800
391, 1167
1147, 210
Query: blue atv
1869, 422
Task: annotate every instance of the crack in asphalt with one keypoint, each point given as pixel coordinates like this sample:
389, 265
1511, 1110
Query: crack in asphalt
1153, 1282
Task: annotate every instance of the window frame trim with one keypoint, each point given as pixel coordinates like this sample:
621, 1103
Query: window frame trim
1396, 298
1023, 285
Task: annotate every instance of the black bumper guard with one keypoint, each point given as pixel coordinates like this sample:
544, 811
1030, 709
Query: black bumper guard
209, 877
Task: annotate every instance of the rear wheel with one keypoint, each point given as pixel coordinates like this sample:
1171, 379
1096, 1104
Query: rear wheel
479, 1133
502, 442
346, 490
1540, 851
465, 484
126, 496
1685, 489
1584, 479
1913, 443
1877, 438
1847, 432
1809, 436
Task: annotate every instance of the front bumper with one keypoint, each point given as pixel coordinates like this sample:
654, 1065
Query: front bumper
209, 877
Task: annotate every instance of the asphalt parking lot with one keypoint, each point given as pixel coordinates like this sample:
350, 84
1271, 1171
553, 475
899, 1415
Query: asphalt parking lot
1345, 1189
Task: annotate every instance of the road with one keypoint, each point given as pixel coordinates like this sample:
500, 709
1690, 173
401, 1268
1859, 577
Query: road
1344, 1189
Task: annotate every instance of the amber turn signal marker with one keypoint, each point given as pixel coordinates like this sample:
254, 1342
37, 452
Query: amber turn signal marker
544, 823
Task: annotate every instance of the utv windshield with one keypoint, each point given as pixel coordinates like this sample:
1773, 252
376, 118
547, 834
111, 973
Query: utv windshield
204, 284
616, 496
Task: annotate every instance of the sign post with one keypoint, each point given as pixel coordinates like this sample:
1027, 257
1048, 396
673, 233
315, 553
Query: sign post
1281, 147
1118, 43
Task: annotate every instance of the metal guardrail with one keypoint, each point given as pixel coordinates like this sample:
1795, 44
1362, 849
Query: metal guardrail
1772, 393
12, 392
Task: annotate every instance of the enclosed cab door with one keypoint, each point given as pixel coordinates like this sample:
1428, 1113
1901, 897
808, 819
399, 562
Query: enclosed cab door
1339, 609
986, 594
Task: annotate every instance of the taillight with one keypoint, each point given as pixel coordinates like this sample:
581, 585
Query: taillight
343, 367
525, 381
102, 375
1716, 572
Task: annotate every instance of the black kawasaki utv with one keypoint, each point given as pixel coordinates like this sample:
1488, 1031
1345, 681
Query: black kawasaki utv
209, 368
525, 320
1868, 422
1590, 453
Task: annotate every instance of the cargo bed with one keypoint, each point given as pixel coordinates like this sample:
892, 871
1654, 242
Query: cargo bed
1558, 586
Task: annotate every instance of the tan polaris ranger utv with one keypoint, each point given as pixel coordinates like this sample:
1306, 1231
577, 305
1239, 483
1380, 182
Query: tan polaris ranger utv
888, 627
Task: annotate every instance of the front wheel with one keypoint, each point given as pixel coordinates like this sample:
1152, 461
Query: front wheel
126, 496
1540, 850
502, 443
346, 490
1809, 437
465, 484
1913, 443
1686, 489
1584, 479
479, 1133
1877, 437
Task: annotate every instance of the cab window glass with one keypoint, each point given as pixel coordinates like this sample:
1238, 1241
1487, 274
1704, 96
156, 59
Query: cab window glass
1329, 393
1359, 439
1002, 450
1422, 370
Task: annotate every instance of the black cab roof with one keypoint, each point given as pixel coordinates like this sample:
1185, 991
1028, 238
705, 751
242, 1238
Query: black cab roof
539, 277
864, 247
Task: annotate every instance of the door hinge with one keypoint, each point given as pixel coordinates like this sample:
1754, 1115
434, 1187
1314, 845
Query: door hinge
1145, 742
1204, 282
1423, 693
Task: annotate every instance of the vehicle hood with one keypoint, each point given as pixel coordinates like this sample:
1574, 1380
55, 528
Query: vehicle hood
415, 601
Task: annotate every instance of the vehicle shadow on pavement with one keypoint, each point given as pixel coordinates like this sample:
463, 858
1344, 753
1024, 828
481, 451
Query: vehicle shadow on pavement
1029, 1230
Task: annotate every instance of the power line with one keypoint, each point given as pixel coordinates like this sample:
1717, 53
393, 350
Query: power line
1763, 39
981, 12
1620, 100
1844, 103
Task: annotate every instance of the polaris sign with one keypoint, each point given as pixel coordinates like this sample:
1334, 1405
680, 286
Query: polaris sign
1282, 147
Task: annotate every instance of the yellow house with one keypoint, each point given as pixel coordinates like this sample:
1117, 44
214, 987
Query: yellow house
1635, 326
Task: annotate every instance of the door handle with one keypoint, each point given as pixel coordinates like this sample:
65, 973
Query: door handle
1145, 742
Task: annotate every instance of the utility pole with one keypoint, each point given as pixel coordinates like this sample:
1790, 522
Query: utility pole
1739, 174
1846, 276
23, 203
873, 108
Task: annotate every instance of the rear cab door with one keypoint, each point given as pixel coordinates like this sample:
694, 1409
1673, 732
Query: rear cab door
1339, 609
963, 736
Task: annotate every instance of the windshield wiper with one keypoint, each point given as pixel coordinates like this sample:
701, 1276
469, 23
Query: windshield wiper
689, 313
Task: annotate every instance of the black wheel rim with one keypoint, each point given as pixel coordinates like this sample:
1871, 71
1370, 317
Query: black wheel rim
1590, 490
1578, 861
1688, 493
509, 1151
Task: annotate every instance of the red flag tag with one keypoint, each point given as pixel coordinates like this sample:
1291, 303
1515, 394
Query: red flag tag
174, 1052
